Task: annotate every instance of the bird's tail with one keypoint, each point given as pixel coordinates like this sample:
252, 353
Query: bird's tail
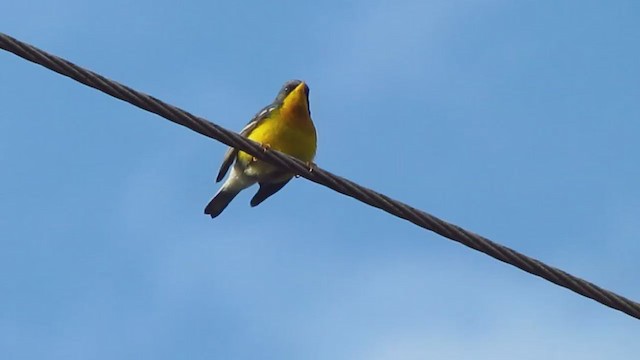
220, 201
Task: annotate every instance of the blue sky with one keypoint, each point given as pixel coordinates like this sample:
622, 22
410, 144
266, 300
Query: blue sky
516, 120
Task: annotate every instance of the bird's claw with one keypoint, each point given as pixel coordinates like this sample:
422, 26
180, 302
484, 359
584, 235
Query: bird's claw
265, 148
311, 165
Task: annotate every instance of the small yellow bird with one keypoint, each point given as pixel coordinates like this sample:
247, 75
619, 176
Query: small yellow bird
284, 125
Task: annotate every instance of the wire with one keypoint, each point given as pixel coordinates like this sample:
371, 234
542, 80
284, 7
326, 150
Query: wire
322, 177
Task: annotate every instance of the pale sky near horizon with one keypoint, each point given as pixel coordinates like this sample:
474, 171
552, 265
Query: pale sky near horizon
515, 120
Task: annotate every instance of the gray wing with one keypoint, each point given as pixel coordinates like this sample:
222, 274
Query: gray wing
266, 190
231, 153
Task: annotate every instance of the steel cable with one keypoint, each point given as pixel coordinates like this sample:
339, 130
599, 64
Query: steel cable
322, 177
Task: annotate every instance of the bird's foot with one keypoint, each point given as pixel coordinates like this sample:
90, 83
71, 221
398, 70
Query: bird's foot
265, 148
311, 166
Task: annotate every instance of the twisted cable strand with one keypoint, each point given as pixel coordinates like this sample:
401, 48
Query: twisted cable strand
322, 177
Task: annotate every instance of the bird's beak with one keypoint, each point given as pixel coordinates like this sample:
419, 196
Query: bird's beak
297, 98
300, 89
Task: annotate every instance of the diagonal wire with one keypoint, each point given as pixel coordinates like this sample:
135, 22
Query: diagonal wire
322, 177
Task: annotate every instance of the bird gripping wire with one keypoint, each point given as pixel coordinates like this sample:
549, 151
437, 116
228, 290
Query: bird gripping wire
322, 177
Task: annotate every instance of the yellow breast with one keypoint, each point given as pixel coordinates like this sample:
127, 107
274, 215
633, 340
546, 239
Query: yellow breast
288, 130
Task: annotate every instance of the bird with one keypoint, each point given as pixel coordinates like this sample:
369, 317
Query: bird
284, 125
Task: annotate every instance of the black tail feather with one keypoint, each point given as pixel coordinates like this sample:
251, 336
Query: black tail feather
220, 202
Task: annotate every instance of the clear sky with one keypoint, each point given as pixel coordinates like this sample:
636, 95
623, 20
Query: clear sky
518, 120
